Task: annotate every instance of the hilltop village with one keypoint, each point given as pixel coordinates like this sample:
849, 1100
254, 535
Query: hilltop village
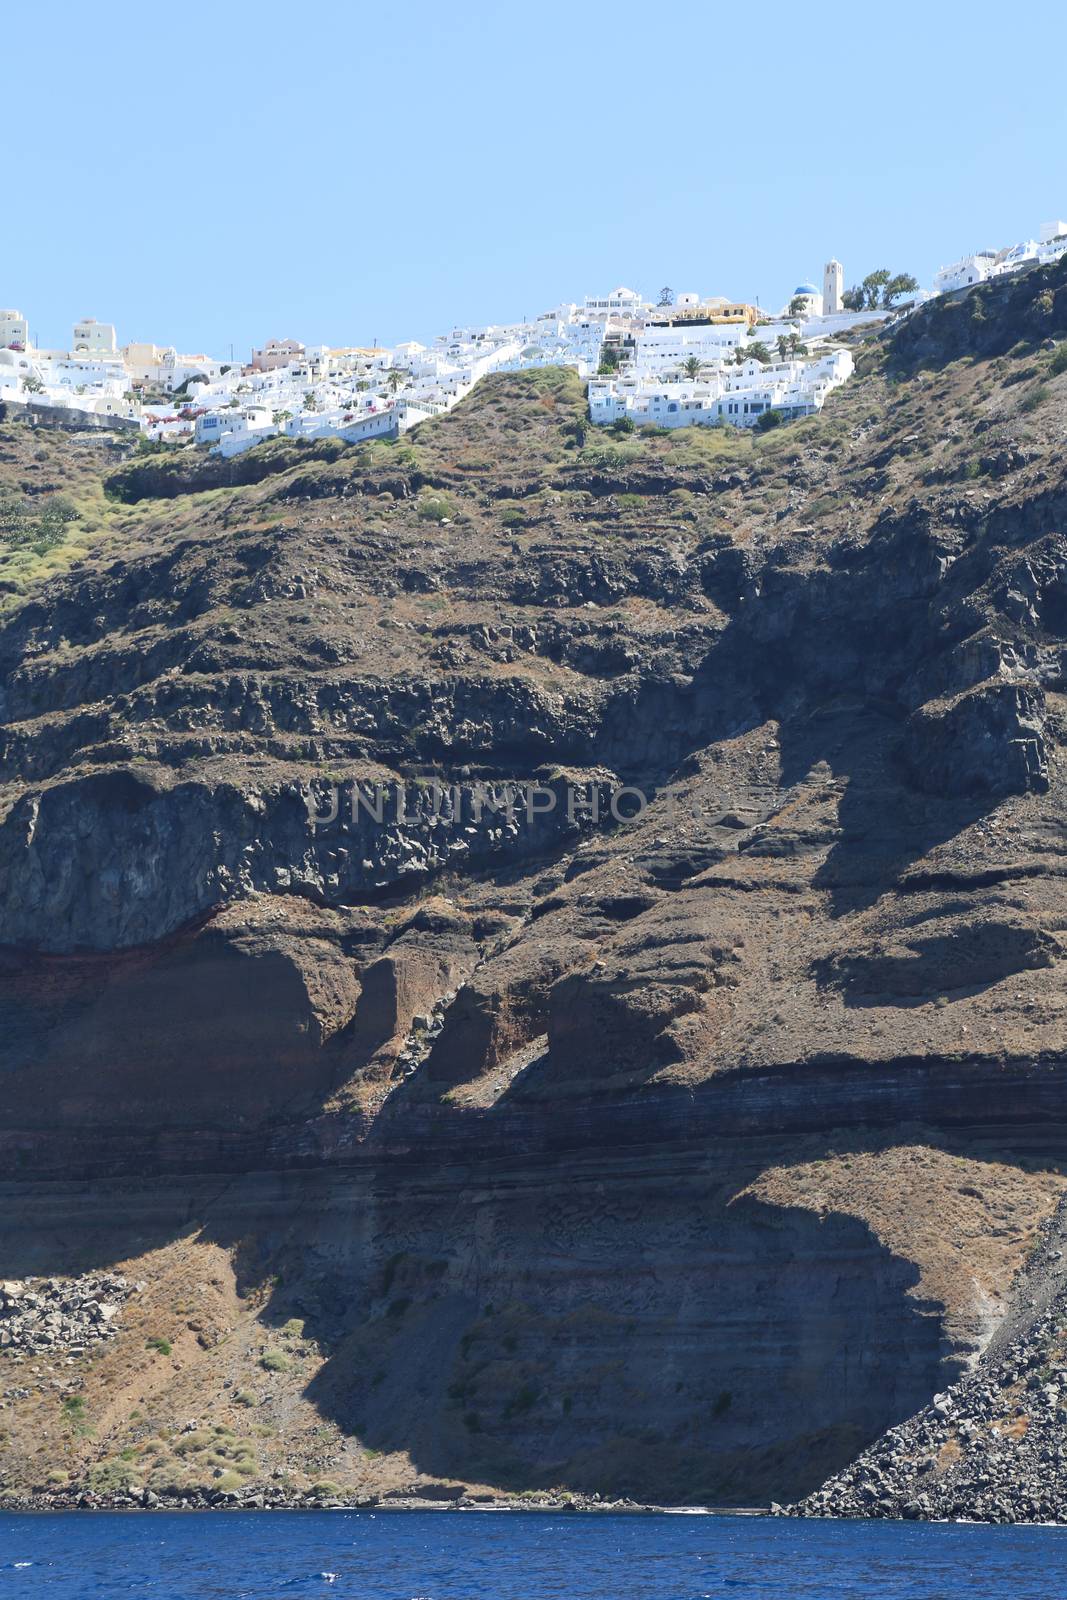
676, 361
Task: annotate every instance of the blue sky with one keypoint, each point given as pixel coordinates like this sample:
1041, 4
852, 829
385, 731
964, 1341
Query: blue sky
212, 175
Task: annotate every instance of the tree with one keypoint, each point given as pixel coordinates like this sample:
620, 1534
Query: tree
873, 284
691, 367
853, 299
666, 296
784, 345
280, 417
310, 403
798, 305
769, 419
756, 351
901, 283
395, 379
609, 360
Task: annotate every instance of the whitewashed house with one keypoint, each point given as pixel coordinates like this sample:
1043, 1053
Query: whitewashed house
966, 272
15, 368
735, 395
625, 301
94, 338
276, 353
660, 347
1052, 241
14, 331
233, 429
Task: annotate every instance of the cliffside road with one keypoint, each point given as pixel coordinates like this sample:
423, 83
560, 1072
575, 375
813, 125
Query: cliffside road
674, 1155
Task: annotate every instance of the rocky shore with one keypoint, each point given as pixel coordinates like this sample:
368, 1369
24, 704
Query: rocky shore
445, 1497
72, 1313
991, 1447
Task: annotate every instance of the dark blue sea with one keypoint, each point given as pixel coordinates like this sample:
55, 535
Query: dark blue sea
518, 1556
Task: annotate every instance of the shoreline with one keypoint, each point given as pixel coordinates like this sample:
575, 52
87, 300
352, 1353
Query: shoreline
90, 1504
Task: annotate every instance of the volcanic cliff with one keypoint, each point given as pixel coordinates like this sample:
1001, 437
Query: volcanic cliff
673, 1153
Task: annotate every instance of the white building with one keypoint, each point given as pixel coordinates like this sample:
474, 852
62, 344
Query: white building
14, 331
966, 272
833, 287
660, 346
276, 353
619, 301
164, 368
805, 301
15, 368
235, 428
95, 338
982, 265
734, 395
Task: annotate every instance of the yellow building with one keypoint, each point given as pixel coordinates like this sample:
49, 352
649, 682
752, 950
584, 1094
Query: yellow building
713, 311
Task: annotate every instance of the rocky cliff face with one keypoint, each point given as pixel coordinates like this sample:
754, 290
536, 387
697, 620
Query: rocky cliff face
660, 1099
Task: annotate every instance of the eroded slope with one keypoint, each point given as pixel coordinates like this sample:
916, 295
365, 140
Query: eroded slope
824, 962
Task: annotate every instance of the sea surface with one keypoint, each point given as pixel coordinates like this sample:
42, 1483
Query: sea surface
517, 1556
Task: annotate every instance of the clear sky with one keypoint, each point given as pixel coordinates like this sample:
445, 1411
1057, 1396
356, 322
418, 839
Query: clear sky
216, 174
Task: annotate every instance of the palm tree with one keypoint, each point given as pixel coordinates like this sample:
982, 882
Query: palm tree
756, 350
691, 368
395, 379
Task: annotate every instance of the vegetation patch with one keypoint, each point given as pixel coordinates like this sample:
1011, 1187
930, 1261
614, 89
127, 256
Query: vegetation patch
276, 1361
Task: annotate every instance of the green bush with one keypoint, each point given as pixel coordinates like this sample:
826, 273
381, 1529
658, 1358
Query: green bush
1058, 363
275, 1361
769, 419
75, 1413
822, 506
35, 526
436, 508
162, 1345
1035, 398
110, 1477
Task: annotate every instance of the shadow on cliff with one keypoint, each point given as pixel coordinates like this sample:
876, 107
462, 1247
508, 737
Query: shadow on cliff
655, 1332
884, 824
737, 1367
624, 1325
